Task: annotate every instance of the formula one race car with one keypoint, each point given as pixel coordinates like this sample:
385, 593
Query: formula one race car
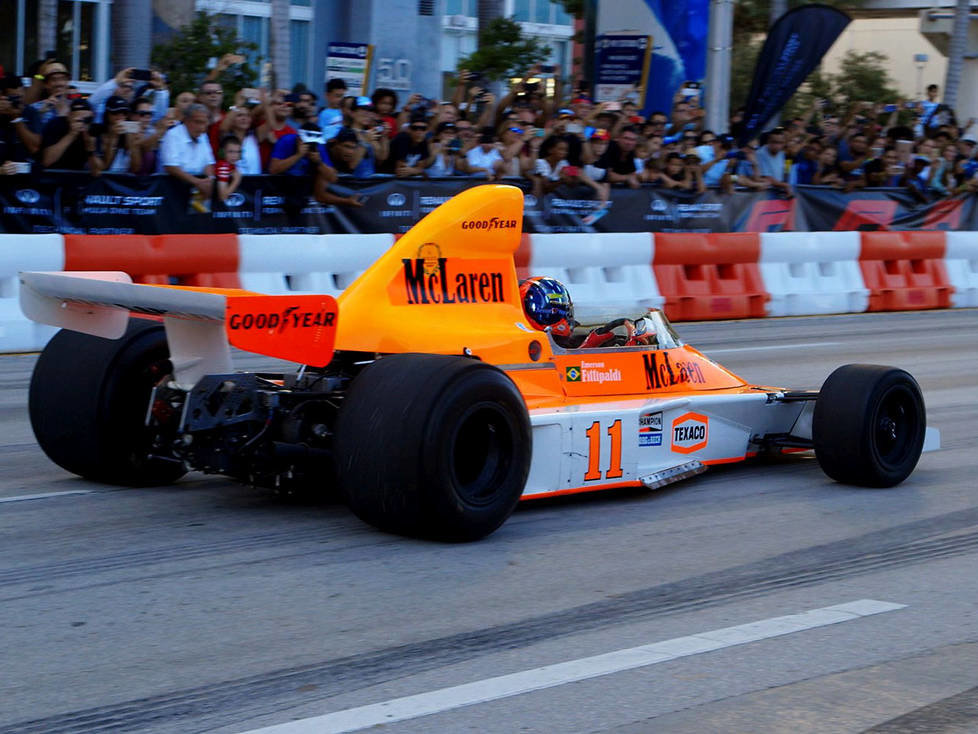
422, 394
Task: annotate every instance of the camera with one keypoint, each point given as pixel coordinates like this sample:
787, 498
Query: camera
141, 75
547, 69
455, 146
475, 77
311, 136
531, 87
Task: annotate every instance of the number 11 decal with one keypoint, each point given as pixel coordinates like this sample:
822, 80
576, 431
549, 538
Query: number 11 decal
594, 451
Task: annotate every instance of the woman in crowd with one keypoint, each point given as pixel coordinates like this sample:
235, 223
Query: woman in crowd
238, 122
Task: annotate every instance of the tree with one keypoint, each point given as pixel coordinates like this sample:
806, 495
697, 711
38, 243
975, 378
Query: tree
863, 78
185, 57
955, 57
280, 42
503, 51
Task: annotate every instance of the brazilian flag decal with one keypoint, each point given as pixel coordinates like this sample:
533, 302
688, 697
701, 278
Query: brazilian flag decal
573, 374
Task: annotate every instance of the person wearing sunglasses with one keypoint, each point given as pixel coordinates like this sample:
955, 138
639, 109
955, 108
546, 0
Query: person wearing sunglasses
67, 143
410, 153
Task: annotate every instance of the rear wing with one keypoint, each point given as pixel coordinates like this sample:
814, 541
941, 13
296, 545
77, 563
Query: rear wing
200, 323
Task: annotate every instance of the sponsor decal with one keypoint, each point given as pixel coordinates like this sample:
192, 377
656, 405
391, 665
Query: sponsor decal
290, 317
661, 372
396, 199
234, 200
492, 223
690, 432
593, 372
650, 429
430, 278
27, 196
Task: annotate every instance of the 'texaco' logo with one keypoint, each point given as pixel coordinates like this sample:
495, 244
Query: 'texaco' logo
493, 223
234, 200
291, 317
396, 199
28, 196
690, 432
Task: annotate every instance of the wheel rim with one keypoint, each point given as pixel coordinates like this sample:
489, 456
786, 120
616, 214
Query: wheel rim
895, 426
482, 452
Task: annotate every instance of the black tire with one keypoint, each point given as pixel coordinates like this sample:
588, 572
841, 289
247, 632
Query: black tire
869, 423
88, 400
433, 446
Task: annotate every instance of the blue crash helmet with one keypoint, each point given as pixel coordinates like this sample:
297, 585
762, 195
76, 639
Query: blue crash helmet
547, 303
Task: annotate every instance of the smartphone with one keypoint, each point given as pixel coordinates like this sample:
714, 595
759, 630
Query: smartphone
311, 136
547, 69
574, 128
613, 106
571, 171
131, 126
539, 132
903, 148
22, 167
688, 92
141, 75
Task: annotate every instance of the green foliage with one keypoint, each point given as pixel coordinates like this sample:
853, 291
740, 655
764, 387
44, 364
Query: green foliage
573, 7
864, 78
504, 52
184, 58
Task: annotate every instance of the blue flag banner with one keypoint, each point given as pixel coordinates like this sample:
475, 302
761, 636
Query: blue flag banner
795, 45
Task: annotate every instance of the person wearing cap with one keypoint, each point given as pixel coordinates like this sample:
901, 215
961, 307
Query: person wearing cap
370, 136
594, 149
118, 149
55, 100
303, 108
67, 142
349, 155
515, 150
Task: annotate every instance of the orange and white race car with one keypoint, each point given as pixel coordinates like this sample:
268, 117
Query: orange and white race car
422, 393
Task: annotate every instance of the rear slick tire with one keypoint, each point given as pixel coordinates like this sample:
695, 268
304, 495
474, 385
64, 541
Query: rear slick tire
868, 426
88, 401
433, 446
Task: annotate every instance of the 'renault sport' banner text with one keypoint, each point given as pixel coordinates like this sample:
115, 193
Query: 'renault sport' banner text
124, 204
794, 46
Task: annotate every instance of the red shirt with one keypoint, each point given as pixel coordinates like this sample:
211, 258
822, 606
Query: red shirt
265, 148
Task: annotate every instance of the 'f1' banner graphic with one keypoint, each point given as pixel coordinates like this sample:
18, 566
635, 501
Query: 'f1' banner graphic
795, 45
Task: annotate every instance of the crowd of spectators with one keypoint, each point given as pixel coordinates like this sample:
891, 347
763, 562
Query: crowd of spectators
131, 124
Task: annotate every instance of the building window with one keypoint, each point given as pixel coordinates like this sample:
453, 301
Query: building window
541, 11
426, 7
75, 36
462, 7
253, 25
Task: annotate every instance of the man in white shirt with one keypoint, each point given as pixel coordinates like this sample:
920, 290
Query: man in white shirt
186, 151
485, 158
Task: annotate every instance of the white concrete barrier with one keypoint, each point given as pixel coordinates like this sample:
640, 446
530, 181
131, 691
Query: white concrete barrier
609, 275
961, 261
299, 263
24, 252
810, 273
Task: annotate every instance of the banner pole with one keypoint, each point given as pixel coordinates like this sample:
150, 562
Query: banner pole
718, 60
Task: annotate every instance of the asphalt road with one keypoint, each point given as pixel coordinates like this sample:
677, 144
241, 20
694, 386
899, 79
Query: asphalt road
209, 606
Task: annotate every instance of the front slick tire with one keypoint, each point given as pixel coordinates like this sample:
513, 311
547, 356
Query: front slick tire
433, 446
88, 401
869, 423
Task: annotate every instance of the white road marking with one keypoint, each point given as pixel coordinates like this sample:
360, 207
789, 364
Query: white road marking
805, 345
490, 689
45, 495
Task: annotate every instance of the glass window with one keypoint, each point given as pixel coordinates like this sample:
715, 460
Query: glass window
299, 51
252, 31
541, 11
303, 3
454, 7
521, 10
66, 34
561, 16
86, 39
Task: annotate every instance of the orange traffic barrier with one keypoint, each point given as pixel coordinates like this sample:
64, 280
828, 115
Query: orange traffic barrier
209, 260
905, 271
710, 276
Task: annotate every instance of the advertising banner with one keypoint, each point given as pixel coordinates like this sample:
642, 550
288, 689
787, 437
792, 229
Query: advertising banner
621, 65
351, 63
71, 202
793, 48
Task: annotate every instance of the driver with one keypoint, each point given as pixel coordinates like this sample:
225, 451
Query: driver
547, 305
